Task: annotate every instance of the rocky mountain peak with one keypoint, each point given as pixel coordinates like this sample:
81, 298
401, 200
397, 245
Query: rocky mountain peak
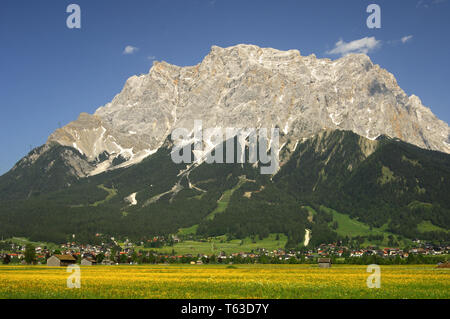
247, 86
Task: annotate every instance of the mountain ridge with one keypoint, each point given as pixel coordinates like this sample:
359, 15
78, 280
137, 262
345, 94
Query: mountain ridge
350, 140
385, 183
246, 86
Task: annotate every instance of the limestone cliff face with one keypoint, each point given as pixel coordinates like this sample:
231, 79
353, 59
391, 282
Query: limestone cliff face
245, 86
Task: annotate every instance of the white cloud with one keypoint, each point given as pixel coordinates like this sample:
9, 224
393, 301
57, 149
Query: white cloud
129, 49
151, 57
421, 3
364, 45
406, 38
428, 3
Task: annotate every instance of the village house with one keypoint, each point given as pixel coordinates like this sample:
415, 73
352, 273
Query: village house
88, 261
324, 262
356, 254
61, 260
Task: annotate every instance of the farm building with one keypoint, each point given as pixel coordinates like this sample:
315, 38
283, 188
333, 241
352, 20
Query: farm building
61, 260
88, 262
444, 264
324, 262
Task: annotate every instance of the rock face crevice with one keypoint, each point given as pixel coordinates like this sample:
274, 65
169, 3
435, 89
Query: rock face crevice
246, 86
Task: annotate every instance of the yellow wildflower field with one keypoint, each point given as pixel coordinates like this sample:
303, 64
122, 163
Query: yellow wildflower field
222, 281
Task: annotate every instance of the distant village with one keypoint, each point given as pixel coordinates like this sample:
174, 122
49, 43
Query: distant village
113, 253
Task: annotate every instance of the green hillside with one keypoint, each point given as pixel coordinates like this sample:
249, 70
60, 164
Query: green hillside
386, 189
221, 244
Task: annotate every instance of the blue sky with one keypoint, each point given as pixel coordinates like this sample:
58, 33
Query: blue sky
49, 73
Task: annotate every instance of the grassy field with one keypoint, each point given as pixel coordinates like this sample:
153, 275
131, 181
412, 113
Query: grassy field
218, 244
426, 225
224, 200
188, 230
111, 193
221, 281
24, 241
348, 226
351, 227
